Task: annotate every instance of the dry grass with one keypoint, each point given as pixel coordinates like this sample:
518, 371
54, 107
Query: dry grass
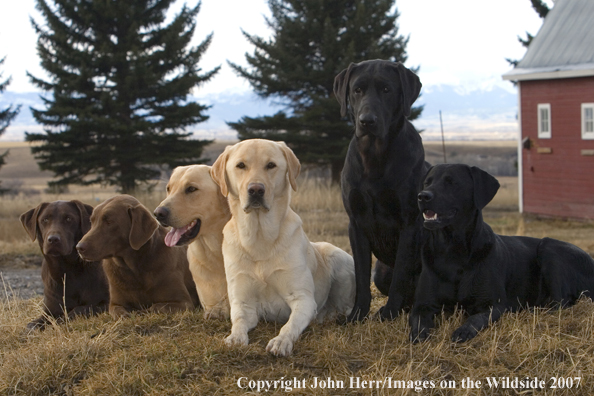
183, 354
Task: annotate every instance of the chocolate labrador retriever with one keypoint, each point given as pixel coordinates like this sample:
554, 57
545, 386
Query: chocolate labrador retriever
466, 263
143, 273
380, 180
70, 285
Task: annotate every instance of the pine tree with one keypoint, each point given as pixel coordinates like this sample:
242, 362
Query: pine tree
6, 115
312, 41
542, 10
119, 82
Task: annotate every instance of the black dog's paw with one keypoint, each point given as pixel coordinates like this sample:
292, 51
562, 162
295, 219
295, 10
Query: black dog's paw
386, 313
342, 320
357, 315
38, 324
417, 336
464, 333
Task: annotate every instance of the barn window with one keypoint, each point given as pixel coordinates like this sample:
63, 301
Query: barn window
587, 120
544, 120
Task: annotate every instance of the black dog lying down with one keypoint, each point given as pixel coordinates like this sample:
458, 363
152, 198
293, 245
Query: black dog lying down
466, 263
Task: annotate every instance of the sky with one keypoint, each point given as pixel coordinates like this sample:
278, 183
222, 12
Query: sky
458, 43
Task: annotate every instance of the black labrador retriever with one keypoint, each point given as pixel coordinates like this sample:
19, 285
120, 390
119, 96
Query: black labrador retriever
466, 264
67, 279
382, 173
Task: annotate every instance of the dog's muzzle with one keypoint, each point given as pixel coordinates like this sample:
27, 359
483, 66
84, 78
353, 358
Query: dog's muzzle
256, 193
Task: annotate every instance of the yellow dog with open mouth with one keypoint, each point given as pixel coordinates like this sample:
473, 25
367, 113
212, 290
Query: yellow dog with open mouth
197, 212
273, 271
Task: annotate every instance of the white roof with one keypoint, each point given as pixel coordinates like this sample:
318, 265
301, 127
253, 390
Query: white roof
563, 47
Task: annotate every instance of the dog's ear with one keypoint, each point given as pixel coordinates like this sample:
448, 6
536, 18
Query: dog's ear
85, 212
218, 172
143, 226
411, 87
341, 88
29, 220
293, 164
485, 187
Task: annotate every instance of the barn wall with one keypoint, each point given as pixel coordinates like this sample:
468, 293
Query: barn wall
560, 183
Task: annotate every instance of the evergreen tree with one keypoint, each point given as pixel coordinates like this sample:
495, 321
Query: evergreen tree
312, 41
542, 10
6, 115
119, 82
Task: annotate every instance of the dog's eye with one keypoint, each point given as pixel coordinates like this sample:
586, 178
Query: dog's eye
270, 165
358, 90
386, 90
68, 219
241, 165
191, 189
45, 220
448, 180
168, 189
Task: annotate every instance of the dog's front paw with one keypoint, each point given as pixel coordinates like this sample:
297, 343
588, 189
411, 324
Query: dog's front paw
216, 313
237, 339
280, 346
38, 324
417, 336
386, 313
358, 314
464, 333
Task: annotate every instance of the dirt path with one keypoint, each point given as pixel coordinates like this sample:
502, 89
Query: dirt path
20, 276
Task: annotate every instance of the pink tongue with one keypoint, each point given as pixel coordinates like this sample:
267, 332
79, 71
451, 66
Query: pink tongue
174, 235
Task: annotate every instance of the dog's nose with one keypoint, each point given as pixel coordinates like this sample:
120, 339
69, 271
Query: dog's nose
256, 189
161, 214
425, 196
81, 247
367, 119
53, 239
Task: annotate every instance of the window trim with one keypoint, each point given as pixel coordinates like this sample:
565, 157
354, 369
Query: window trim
544, 134
587, 135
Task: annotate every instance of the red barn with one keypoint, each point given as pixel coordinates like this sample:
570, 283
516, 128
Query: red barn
556, 114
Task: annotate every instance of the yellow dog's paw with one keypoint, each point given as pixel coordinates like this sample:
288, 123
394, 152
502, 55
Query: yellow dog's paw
237, 339
216, 313
280, 346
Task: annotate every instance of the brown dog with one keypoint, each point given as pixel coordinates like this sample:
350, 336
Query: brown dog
197, 212
143, 273
67, 280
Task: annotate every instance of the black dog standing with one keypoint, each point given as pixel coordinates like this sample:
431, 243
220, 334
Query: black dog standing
381, 177
466, 263
67, 279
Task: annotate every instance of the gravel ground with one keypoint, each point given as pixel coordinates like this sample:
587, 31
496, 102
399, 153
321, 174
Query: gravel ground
20, 276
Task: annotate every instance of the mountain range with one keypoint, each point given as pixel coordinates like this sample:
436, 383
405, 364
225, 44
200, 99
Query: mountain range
466, 115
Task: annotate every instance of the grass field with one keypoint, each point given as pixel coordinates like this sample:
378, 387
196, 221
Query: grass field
182, 354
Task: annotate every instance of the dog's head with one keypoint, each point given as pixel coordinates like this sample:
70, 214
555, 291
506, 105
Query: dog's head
452, 193
58, 226
376, 94
118, 224
194, 203
256, 172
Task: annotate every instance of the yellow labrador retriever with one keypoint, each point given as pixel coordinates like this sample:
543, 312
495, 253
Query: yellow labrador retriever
273, 271
197, 212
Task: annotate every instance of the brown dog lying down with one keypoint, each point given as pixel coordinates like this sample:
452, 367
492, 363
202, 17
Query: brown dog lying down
143, 273
81, 286
197, 212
